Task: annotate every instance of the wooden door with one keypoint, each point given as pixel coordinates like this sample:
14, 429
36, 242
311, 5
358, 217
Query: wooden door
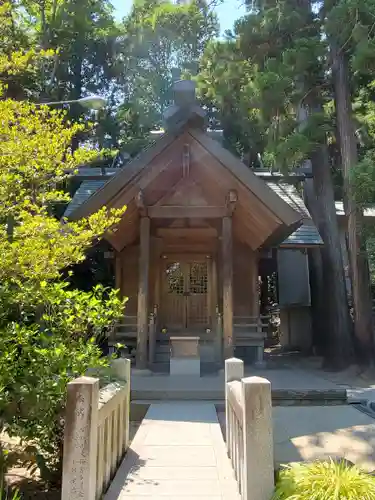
174, 301
185, 295
197, 294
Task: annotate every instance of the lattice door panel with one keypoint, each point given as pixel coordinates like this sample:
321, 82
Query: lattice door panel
197, 296
174, 295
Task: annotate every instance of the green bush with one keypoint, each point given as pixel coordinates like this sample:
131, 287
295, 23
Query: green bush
324, 480
38, 361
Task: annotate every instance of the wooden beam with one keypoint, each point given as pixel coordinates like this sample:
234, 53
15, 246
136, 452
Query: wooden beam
142, 313
206, 247
187, 232
227, 263
178, 212
174, 188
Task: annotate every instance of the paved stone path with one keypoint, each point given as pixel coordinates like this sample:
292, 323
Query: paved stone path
318, 432
178, 452
211, 387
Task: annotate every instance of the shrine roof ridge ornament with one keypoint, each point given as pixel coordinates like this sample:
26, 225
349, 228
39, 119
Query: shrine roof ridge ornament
185, 107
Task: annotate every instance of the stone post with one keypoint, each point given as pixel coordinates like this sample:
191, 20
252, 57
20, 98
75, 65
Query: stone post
258, 439
234, 370
80, 440
121, 368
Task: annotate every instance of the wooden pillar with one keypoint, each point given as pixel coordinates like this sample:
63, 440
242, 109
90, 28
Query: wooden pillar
227, 256
118, 271
157, 271
142, 313
214, 296
254, 284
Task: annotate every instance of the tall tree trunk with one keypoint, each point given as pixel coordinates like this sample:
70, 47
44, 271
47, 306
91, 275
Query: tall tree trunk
339, 342
333, 303
361, 291
319, 296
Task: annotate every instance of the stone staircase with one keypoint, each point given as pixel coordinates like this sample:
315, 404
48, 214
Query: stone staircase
162, 356
125, 334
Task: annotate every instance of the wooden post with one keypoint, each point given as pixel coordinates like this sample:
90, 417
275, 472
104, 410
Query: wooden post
260, 348
152, 335
227, 256
142, 313
118, 271
254, 284
218, 336
213, 295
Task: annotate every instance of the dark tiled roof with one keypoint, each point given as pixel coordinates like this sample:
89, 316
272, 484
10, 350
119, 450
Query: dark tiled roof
93, 172
289, 193
307, 234
83, 193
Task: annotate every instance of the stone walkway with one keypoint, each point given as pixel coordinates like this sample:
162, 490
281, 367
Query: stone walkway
319, 432
178, 452
211, 387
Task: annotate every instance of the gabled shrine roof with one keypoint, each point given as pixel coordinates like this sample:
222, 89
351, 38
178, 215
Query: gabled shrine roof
306, 235
220, 168
265, 211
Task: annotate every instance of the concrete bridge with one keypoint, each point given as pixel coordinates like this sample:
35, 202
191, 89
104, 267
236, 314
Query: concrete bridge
179, 450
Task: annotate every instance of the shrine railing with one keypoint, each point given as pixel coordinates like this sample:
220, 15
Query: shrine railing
248, 410
96, 433
251, 331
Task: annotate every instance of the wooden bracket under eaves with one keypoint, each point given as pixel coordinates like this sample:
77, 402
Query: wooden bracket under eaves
231, 201
139, 200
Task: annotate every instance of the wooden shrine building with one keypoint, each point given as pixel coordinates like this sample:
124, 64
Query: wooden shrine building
188, 247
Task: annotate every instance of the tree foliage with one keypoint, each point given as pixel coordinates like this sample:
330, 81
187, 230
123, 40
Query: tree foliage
162, 39
270, 78
47, 331
259, 76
